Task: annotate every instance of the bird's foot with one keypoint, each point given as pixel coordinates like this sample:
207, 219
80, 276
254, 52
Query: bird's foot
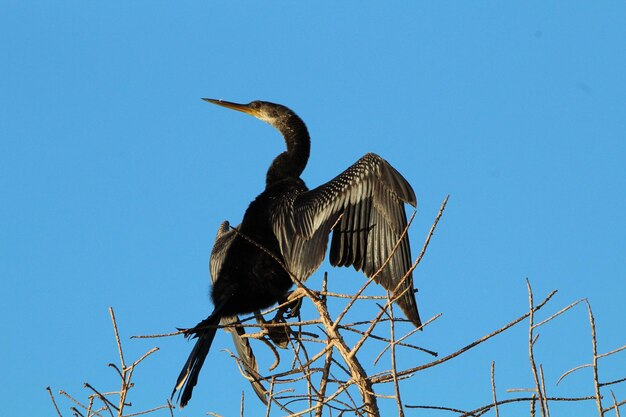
293, 303
278, 334
197, 329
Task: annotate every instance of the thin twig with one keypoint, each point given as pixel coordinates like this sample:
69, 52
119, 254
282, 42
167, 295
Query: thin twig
398, 342
615, 405
324, 381
619, 349
432, 230
489, 406
89, 406
145, 355
493, 388
102, 397
54, 403
77, 412
147, 411
270, 398
558, 313
617, 381
384, 377
531, 344
74, 400
594, 346
531, 399
587, 365
437, 407
393, 362
543, 389
117, 337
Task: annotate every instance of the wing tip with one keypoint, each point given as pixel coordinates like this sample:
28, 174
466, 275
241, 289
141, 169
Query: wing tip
412, 315
396, 182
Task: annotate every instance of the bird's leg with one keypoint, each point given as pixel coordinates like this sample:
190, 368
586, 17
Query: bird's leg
279, 335
291, 305
294, 308
295, 302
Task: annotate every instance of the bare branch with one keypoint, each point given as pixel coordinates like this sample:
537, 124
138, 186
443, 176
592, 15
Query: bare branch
558, 313
531, 343
573, 370
117, 337
594, 346
54, 402
617, 381
612, 352
493, 388
386, 377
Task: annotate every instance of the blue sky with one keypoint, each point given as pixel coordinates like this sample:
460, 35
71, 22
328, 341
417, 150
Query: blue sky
114, 175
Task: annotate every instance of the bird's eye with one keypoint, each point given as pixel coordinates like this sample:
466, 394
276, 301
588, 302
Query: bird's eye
255, 104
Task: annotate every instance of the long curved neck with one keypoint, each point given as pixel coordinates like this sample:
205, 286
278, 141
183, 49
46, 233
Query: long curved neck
292, 162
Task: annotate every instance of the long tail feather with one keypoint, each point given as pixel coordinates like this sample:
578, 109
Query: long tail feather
189, 375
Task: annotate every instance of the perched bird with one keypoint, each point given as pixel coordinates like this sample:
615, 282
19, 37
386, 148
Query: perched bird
285, 231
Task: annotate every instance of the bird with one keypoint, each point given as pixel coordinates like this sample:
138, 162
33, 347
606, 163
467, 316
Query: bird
285, 230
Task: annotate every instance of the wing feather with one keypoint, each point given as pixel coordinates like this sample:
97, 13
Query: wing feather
369, 196
223, 240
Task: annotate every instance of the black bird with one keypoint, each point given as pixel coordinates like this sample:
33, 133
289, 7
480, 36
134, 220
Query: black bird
363, 207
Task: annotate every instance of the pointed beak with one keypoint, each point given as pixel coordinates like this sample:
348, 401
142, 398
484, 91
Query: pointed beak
245, 108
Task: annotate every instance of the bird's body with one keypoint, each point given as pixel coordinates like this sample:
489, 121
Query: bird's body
285, 231
251, 278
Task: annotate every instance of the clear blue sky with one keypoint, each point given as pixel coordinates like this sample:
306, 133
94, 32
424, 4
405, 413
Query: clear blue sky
114, 175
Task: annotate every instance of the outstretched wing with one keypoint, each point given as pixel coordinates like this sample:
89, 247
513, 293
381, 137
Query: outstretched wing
223, 240
364, 207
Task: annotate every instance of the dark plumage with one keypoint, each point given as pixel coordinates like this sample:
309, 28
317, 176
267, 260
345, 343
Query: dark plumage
365, 204
223, 240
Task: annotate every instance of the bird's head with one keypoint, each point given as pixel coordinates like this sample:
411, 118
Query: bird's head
276, 115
